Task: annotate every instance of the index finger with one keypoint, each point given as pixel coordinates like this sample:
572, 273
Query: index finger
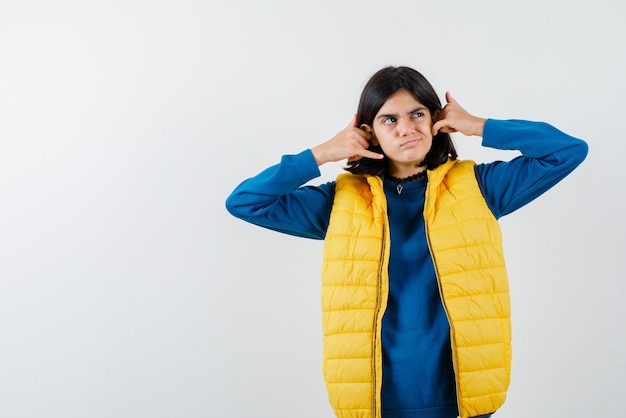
443, 125
368, 154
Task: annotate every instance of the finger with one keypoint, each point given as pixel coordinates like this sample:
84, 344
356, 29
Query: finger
450, 99
437, 126
443, 126
363, 141
365, 154
357, 140
373, 155
369, 154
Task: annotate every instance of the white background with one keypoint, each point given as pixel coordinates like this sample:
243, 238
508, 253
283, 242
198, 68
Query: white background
126, 290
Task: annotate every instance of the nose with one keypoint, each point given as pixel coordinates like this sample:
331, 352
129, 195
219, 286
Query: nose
406, 126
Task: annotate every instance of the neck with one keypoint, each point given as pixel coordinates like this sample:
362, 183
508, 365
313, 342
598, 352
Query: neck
407, 179
401, 174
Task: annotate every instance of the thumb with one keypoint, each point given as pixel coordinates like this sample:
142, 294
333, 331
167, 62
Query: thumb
353, 123
450, 99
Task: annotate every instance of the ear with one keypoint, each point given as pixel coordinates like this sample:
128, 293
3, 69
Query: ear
370, 131
436, 115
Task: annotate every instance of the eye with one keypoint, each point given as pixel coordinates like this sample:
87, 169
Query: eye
417, 114
389, 121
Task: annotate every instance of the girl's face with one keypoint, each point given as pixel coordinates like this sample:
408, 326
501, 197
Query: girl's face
403, 128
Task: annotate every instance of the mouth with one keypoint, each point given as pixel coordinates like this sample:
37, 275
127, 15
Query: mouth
410, 142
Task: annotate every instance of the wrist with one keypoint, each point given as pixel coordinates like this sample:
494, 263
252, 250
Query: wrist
319, 155
479, 126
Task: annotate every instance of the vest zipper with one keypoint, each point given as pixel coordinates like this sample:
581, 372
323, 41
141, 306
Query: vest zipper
376, 313
445, 308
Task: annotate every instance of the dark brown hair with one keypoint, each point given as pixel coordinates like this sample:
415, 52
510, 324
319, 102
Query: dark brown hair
378, 89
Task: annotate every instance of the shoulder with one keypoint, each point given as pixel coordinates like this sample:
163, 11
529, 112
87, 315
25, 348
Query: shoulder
452, 170
349, 181
351, 188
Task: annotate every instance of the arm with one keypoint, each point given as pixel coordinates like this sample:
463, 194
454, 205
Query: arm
276, 198
548, 155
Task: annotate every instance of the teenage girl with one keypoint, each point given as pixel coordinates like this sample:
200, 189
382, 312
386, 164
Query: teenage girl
415, 302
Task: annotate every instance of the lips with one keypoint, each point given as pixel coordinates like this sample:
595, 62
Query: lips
410, 142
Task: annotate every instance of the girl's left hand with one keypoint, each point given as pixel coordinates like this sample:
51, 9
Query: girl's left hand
453, 118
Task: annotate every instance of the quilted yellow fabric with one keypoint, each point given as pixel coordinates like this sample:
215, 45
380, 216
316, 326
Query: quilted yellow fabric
466, 245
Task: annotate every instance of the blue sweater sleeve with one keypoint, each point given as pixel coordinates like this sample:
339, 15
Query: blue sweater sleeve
548, 155
277, 199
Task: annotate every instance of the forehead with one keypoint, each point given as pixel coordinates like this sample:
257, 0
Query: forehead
400, 102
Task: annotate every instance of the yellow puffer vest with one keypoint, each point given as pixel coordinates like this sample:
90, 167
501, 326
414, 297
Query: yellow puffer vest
466, 246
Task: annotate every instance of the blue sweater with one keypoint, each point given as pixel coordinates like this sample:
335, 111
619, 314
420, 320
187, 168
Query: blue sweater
418, 379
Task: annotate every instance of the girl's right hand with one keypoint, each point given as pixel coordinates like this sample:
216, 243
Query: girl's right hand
454, 118
351, 143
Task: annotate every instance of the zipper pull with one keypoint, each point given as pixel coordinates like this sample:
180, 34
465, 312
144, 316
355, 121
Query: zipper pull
399, 188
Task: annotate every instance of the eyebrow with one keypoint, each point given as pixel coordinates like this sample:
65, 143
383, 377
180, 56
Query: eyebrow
395, 115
